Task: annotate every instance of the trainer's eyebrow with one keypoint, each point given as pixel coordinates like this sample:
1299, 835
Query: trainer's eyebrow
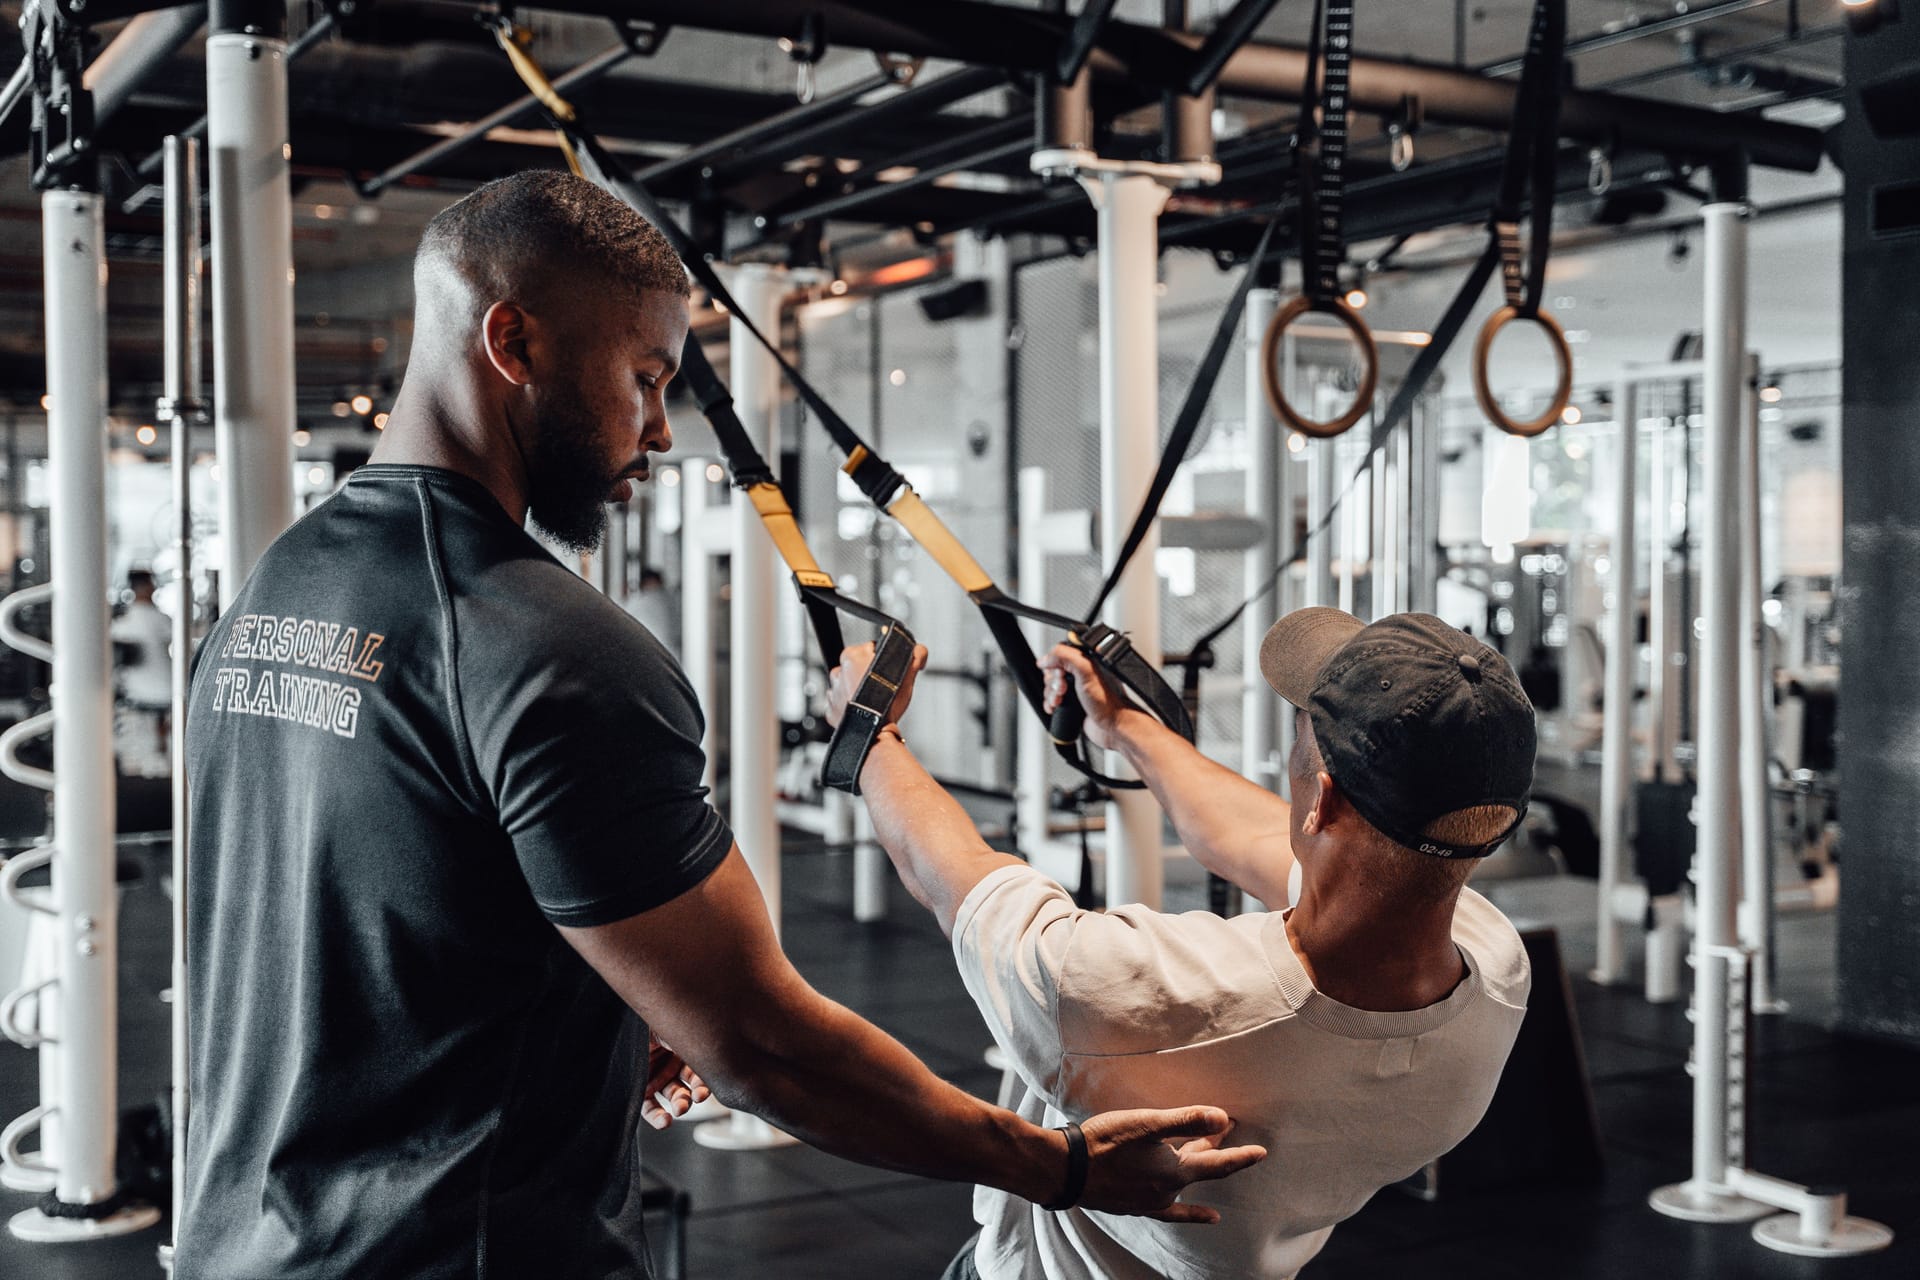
668, 358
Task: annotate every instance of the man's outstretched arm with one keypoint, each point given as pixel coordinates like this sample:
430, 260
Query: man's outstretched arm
706, 972
1234, 828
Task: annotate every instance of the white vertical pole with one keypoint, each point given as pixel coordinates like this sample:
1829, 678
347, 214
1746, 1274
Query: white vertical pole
1129, 212
1717, 865
1266, 501
1756, 827
1321, 461
870, 873
696, 601
1033, 809
1616, 744
182, 389
83, 790
252, 222
753, 718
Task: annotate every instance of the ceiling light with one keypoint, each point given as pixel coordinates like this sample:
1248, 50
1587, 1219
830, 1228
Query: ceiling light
1296, 443
1570, 415
341, 409
379, 422
46, 402
1770, 394
1356, 298
715, 473
302, 438
362, 404
316, 475
837, 288
146, 435
898, 377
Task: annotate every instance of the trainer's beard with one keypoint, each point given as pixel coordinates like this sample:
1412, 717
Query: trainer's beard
567, 483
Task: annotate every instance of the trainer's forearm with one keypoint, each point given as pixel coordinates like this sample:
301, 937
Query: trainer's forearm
825, 1075
933, 843
1234, 828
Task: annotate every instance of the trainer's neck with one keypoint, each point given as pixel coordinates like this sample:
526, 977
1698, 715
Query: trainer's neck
440, 423
1378, 956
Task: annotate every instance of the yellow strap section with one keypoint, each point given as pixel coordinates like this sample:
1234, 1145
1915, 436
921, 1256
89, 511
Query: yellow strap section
509, 38
918, 519
777, 516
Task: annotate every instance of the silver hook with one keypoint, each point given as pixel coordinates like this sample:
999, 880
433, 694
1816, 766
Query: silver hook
1400, 147
808, 83
1599, 171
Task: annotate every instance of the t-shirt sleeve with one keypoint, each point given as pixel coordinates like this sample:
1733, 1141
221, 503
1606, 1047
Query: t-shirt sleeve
588, 745
1010, 939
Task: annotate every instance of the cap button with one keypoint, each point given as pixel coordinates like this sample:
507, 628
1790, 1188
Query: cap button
1470, 665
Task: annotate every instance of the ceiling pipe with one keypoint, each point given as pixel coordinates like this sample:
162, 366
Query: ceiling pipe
142, 47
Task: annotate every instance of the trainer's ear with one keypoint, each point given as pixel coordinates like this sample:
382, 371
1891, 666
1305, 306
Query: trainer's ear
504, 333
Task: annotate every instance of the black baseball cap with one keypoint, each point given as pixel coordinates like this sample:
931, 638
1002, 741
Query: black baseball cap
1414, 718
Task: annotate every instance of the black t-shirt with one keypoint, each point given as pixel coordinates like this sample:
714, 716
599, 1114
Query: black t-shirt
416, 743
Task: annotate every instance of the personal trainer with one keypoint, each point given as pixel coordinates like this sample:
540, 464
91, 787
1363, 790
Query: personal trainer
449, 835
1356, 1037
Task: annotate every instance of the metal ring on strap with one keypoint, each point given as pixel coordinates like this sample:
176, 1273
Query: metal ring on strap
16, 867
16, 1132
1270, 371
26, 1038
1563, 386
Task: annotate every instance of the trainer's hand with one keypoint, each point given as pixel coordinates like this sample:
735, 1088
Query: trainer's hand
1139, 1161
672, 1087
843, 682
1103, 701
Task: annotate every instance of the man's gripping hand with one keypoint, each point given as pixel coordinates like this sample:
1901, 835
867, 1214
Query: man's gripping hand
1103, 701
844, 682
1139, 1161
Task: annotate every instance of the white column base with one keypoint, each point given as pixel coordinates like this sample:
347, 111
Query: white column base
36, 1227
1697, 1202
1849, 1237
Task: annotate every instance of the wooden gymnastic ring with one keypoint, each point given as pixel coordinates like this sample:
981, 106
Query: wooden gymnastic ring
1270, 373
1562, 355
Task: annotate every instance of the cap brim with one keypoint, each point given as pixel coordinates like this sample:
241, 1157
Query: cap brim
1298, 646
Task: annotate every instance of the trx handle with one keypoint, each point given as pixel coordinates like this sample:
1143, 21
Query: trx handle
1529, 169
1323, 146
871, 709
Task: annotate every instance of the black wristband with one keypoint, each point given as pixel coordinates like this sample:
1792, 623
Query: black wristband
1076, 1170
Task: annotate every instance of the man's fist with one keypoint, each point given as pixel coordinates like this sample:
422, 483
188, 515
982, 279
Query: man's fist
844, 681
1103, 702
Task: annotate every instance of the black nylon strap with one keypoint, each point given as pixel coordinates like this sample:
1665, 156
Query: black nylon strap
1323, 190
1188, 421
1530, 165
1077, 1166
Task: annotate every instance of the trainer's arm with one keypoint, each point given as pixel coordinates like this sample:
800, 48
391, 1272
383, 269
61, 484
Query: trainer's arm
1234, 828
706, 972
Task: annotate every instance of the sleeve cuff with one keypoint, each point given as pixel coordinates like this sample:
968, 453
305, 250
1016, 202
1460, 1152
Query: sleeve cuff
703, 855
976, 899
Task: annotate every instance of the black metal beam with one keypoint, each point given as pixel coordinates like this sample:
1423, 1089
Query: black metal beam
840, 206
1013, 39
1227, 36
1081, 38
142, 46
779, 143
1637, 30
748, 139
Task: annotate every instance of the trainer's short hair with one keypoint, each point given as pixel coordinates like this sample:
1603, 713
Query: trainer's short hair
517, 236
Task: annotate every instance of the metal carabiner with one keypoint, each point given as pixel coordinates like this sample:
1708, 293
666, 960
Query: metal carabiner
1599, 171
1400, 147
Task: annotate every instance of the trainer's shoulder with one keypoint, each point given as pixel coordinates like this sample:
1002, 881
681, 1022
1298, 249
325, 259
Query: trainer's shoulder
1486, 933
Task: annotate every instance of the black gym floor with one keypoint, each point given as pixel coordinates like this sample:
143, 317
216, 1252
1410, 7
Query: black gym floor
1825, 1109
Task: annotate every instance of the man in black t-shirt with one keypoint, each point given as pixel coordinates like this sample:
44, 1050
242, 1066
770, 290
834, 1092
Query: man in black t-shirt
449, 836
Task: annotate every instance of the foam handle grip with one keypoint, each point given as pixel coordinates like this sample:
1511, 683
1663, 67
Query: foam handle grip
1069, 718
